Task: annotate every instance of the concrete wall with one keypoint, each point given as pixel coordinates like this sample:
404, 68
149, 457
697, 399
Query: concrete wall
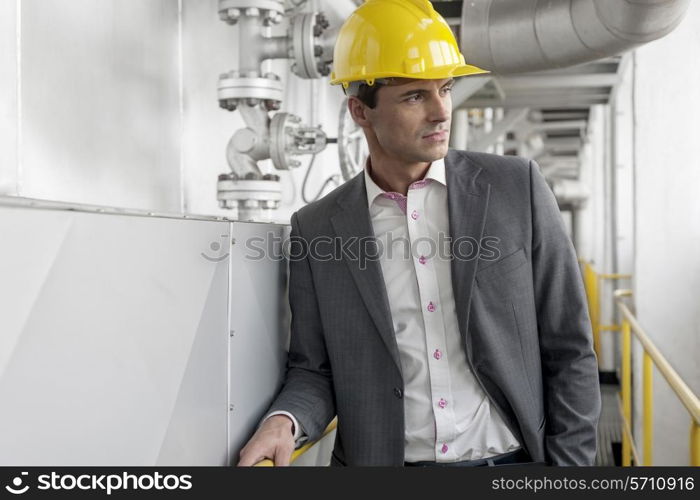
667, 227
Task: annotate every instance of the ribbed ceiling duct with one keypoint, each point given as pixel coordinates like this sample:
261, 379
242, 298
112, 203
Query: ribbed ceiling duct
513, 36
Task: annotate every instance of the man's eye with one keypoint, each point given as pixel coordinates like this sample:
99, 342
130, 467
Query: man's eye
413, 98
447, 89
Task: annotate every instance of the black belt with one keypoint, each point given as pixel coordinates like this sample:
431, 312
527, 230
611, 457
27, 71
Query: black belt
519, 456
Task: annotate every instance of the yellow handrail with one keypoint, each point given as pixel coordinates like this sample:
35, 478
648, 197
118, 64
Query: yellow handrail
591, 281
648, 388
300, 451
687, 397
679, 387
615, 276
652, 357
626, 391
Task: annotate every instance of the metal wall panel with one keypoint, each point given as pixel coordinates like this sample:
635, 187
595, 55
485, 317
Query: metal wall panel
259, 325
113, 340
136, 340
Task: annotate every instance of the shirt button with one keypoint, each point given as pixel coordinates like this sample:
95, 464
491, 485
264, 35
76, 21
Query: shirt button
431, 307
437, 354
414, 215
442, 403
444, 448
422, 259
398, 392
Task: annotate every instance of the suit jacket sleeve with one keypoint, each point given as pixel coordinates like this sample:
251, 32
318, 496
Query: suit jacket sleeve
307, 392
569, 365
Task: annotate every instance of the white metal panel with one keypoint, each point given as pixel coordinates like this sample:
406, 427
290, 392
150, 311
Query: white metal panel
260, 326
113, 336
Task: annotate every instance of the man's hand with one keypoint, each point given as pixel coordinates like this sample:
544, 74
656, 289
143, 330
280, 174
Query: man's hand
274, 440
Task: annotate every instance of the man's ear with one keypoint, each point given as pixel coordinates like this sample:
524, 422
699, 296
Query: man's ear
358, 111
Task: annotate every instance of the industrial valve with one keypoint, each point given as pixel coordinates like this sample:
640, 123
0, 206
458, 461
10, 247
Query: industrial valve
309, 44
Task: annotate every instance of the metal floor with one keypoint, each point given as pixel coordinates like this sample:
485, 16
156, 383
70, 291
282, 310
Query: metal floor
609, 427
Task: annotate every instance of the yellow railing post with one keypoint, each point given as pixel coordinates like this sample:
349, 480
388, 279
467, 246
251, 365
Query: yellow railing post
694, 443
626, 390
648, 389
594, 306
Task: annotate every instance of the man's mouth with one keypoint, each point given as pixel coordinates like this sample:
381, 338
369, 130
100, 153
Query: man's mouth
440, 135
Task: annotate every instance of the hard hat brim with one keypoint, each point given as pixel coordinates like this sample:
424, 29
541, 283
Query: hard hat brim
457, 71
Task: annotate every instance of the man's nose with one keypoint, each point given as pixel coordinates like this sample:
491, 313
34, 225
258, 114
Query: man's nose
441, 108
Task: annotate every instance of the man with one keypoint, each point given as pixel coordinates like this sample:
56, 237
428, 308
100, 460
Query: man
478, 355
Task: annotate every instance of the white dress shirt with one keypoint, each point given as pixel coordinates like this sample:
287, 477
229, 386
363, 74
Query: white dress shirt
448, 417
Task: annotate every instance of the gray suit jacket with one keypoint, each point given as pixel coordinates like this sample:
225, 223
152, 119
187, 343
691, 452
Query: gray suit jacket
522, 317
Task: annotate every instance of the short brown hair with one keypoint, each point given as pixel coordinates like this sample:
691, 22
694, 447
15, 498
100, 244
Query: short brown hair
368, 94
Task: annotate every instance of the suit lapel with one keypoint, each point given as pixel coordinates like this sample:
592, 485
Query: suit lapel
467, 201
353, 225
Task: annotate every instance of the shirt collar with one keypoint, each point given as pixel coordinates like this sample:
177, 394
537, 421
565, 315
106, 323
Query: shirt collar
436, 172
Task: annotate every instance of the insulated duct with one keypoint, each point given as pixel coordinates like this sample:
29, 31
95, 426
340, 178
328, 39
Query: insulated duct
514, 36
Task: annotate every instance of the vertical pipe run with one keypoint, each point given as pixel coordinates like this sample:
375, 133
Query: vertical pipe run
499, 145
460, 129
488, 125
648, 389
250, 33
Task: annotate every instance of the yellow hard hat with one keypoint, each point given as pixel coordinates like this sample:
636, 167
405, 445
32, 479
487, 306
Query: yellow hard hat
397, 38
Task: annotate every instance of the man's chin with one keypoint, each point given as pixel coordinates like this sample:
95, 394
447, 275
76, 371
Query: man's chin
423, 155
436, 152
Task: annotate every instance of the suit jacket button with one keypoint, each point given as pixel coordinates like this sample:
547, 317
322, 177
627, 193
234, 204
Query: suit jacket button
398, 392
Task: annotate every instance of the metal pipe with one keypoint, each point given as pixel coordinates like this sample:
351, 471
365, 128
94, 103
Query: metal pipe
460, 129
249, 36
275, 47
500, 141
496, 129
512, 36
464, 88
